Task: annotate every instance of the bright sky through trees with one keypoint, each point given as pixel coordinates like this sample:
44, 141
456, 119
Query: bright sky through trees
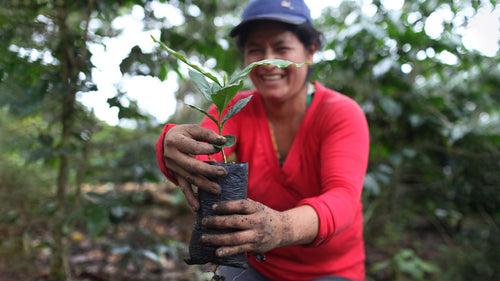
157, 98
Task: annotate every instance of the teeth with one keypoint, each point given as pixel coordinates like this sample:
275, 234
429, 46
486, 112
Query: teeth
271, 77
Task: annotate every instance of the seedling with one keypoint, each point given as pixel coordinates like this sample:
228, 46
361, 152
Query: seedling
222, 92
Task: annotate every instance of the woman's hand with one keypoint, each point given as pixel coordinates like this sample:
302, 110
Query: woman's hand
180, 144
262, 228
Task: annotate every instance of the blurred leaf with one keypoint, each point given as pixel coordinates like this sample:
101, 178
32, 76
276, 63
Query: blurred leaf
206, 88
96, 219
163, 73
120, 249
390, 107
184, 60
204, 112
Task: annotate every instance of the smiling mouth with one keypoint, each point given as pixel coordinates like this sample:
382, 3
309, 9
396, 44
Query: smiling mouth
272, 77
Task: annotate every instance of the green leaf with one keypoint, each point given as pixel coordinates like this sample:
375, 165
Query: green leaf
43, 245
186, 61
205, 87
151, 255
102, 199
96, 219
230, 141
204, 112
120, 249
391, 107
236, 108
222, 98
71, 218
163, 73
277, 62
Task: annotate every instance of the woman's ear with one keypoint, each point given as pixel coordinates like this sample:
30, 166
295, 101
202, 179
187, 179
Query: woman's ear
311, 51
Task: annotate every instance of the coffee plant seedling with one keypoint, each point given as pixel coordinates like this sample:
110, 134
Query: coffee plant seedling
221, 92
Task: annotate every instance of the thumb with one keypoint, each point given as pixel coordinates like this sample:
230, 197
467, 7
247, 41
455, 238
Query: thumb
203, 134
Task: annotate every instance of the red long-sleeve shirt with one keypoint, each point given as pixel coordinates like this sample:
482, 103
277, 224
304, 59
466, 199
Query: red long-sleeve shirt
325, 169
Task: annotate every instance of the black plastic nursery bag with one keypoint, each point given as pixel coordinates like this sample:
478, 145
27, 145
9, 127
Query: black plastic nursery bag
233, 187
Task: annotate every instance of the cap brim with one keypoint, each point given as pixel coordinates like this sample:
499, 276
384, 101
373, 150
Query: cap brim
273, 17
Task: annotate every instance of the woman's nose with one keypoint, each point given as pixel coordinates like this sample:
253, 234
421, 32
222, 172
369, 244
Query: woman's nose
267, 68
269, 55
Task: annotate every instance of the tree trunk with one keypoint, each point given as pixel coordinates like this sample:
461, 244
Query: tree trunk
82, 167
59, 268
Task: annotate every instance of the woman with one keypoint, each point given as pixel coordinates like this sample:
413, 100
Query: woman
307, 149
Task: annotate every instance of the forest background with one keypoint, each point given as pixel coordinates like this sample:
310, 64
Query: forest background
83, 199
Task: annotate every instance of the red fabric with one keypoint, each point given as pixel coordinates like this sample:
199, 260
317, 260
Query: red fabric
325, 169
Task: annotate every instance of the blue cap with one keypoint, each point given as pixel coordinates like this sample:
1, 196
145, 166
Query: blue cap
287, 11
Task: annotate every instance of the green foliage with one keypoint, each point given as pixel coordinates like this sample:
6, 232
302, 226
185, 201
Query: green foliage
122, 155
473, 250
406, 265
433, 124
45, 64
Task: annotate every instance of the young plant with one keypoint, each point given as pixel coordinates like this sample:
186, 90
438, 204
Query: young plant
222, 92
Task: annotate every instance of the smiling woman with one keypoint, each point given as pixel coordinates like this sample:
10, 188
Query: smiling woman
307, 150
270, 40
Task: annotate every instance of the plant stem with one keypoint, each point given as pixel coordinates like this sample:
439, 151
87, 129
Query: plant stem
223, 155
219, 125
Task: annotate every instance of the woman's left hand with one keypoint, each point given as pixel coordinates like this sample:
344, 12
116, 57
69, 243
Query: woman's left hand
262, 228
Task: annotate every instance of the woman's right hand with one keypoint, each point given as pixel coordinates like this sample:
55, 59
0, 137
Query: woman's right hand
180, 145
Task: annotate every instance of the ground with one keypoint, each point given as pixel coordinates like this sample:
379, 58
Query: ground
149, 243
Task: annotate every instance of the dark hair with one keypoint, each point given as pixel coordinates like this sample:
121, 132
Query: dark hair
305, 32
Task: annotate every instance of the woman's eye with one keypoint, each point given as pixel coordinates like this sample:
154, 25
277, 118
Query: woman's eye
254, 52
282, 49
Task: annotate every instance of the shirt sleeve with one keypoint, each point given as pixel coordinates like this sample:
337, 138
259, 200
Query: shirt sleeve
344, 159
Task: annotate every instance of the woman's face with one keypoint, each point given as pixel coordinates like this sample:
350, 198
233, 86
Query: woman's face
271, 40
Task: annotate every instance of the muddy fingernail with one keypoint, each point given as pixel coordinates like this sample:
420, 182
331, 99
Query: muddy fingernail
216, 190
220, 253
221, 172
